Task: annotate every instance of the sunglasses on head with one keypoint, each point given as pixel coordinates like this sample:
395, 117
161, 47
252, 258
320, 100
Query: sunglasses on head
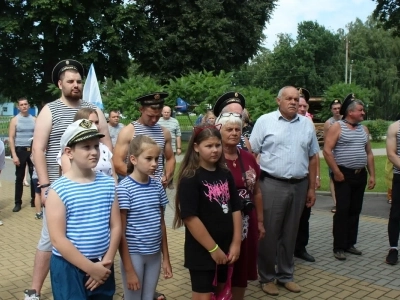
228, 114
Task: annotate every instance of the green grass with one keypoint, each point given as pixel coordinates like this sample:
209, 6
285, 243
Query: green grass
379, 175
378, 145
380, 185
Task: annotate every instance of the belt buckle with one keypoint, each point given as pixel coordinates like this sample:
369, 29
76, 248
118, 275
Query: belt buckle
28, 148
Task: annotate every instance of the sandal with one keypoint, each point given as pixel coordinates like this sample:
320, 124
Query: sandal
333, 209
157, 296
389, 201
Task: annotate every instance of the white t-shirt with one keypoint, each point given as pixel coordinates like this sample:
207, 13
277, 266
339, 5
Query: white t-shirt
104, 164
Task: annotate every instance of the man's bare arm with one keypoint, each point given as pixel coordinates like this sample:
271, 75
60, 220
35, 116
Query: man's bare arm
391, 145
169, 155
121, 149
11, 138
40, 140
330, 143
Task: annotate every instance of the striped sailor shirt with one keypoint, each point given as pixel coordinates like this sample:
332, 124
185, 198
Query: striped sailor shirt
143, 203
88, 212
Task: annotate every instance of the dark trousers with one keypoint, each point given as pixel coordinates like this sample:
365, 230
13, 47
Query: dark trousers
24, 158
303, 234
349, 200
394, 216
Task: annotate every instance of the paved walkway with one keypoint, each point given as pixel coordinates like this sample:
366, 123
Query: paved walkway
359, 277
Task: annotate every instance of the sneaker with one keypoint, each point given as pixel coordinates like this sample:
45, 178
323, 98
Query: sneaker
392, 257
31, 295
1, 222
39, 216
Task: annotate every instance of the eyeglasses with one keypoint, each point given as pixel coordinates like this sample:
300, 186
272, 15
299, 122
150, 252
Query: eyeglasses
227, 114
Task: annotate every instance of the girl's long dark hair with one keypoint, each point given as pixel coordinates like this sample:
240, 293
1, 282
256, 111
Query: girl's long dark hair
191, 162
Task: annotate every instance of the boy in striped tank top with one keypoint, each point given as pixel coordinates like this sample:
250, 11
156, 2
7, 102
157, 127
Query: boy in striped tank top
83, 220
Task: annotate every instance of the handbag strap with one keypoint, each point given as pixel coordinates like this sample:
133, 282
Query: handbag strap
242, 168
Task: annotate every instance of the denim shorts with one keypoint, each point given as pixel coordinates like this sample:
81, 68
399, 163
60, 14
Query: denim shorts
68, 282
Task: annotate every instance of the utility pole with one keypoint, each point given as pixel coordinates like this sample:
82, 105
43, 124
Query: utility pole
351, 69
347, 58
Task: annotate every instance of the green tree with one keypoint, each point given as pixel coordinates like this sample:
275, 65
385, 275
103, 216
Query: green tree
388, 12
36, 34
340, 91
312, 60
374, 55
195, 35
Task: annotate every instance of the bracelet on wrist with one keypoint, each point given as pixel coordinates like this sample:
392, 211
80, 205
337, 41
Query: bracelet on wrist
214, 249
42, 186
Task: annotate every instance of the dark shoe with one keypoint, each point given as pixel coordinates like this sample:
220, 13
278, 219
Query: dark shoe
17, 208
339, 255
270, 288
304, 256
159, 296
353, 250
392, 257
333, 209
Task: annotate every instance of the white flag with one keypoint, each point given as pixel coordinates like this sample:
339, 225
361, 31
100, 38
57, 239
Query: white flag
91, 90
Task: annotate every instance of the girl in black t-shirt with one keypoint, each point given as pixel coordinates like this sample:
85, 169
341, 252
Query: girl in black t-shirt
207, 203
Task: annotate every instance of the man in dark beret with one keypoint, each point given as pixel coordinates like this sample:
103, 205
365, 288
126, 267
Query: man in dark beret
150, 107
51, 123
335, 106
347, 151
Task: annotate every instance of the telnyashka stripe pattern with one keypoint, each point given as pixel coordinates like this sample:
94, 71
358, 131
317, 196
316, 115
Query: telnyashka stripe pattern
350, 151
395, 170
143, 221
88, 212
62, 116
157, 134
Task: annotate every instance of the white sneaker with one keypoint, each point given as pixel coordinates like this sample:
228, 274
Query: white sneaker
31, 295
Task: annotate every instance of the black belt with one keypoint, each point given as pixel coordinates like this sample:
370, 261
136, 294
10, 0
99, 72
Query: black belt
348, 170
287, 180
23, 148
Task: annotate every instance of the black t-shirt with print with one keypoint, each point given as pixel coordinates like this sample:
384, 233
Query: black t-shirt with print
212, 197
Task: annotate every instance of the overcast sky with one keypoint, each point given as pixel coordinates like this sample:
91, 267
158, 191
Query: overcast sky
333, 14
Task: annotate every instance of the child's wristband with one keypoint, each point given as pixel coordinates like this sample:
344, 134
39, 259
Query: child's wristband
214, 249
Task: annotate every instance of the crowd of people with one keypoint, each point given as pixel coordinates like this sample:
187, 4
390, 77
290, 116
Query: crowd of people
244, 191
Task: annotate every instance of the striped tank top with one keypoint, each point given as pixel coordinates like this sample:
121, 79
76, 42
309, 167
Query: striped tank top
350, 151
24, 130
88, 211
62, 116
157, 134
395, 170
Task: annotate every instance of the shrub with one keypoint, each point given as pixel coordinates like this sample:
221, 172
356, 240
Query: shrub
377, 129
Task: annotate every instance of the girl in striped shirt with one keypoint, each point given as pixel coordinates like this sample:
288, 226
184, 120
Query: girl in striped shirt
142, 201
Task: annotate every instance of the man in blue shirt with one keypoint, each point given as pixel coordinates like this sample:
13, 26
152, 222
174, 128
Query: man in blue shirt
288, 175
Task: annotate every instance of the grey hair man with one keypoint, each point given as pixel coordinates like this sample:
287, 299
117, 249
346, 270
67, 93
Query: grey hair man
288, 174
347, 151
